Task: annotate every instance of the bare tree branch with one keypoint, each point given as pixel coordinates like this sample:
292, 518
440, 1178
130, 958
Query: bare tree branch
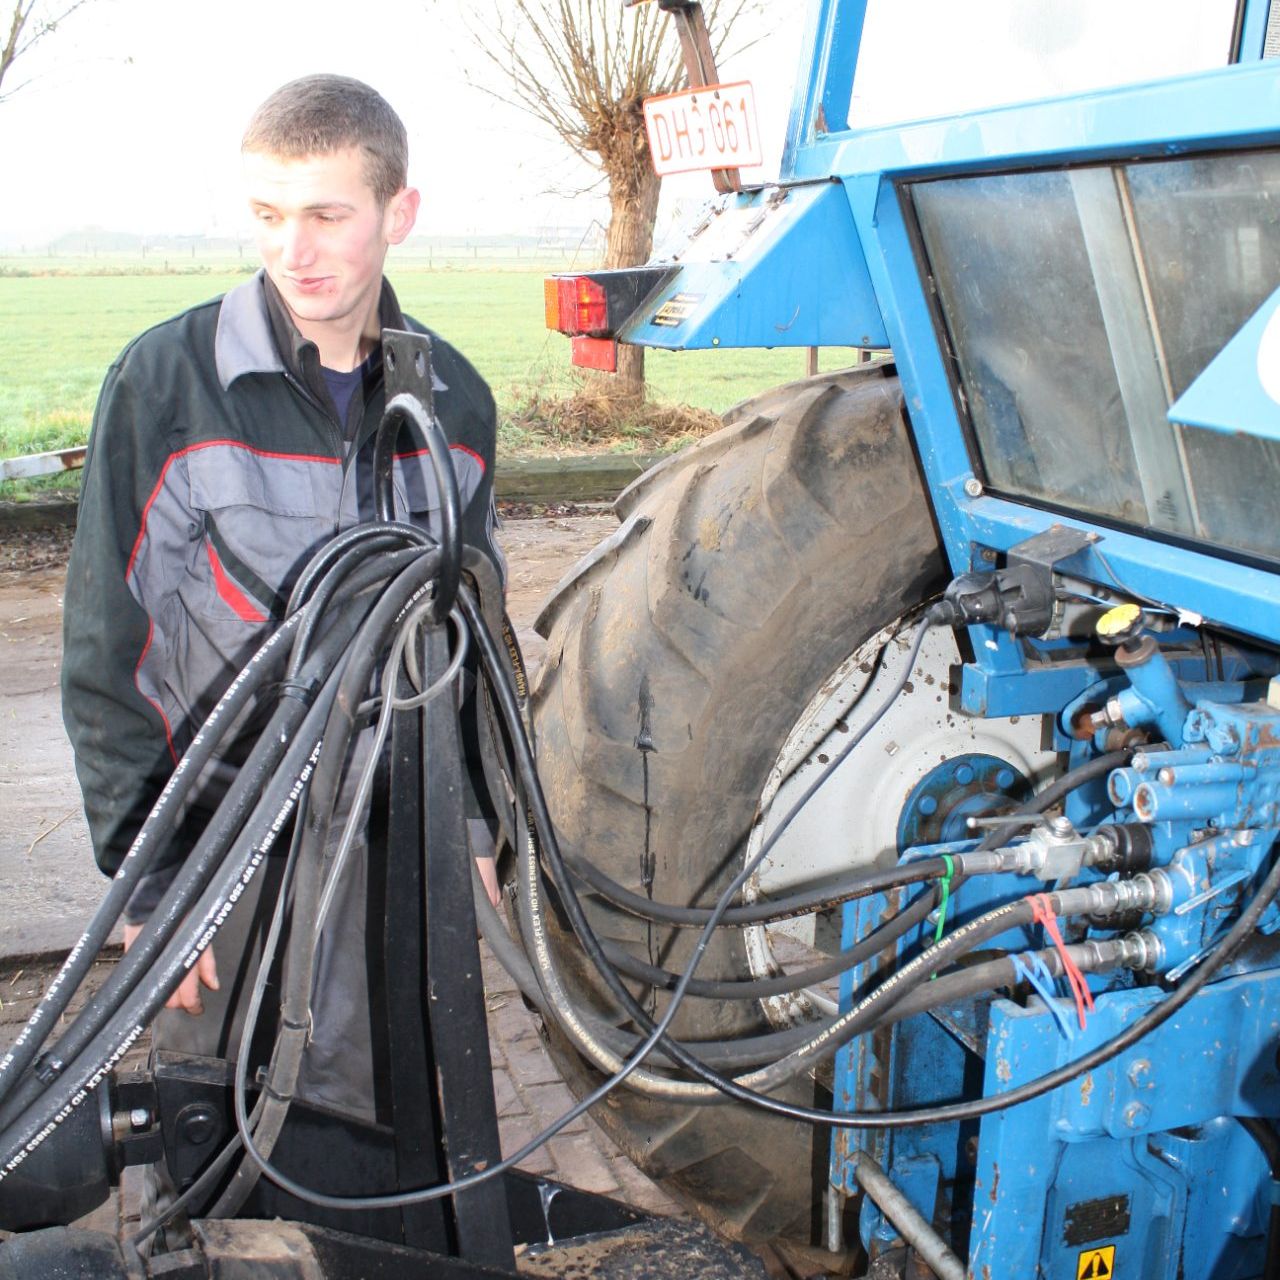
29, 23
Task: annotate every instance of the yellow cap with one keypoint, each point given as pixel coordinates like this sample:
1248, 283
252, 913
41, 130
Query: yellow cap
1119, 619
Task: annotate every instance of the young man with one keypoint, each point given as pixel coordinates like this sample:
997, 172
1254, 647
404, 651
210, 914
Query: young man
229, 444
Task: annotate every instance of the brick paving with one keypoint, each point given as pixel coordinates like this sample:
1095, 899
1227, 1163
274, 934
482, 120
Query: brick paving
527, 1088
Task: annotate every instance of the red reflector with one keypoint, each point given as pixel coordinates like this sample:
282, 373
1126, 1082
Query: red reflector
595, 353
582, 306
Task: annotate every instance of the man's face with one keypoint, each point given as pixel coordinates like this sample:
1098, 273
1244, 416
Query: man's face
323, 236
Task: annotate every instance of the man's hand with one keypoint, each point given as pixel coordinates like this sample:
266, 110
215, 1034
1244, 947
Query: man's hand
488, 869
187, 996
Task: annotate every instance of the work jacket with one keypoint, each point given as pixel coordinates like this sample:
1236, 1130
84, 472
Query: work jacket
215, 469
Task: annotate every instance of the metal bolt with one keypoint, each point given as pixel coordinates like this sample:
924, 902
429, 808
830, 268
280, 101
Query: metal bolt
1060, 825
197, 1123
928, 806
1136, 1114
964, 775
973, 487
1004, 779
139, 1118
1141, 762
1138, 1069
1167, 776
1243, 838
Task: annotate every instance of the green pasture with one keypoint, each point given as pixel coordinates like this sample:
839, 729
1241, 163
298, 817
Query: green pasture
59, 332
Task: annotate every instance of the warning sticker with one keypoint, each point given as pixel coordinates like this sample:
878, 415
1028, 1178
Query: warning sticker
676, 310
1097, 1264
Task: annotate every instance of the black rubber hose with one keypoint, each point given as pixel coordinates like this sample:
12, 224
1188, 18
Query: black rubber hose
153, 837
317, 606
947, 1113
1268, 1142
332, 551
200, 864
963, 984
1098, 767
408, 408
969, 934
981, 979
764, 911
91, 1066
760, 988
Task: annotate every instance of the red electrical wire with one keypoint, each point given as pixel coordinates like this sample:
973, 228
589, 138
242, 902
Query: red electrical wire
1042, 913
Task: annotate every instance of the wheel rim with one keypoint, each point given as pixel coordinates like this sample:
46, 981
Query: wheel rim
853, 821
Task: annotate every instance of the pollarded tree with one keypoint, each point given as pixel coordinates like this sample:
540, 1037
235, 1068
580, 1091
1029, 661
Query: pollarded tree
584, 68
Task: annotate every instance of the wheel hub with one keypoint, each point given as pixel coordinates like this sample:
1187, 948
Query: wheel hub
906, 782
942, 802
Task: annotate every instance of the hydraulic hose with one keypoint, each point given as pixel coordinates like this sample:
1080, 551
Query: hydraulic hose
761, 988
408, 408
152, 838
388, 561
272, 746
1048, 796
581, 1035
82, 1075
766, 910
327, 558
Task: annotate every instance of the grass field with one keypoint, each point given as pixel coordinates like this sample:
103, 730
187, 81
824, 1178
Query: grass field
59, 333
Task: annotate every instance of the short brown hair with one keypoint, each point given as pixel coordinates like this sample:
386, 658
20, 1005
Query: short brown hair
318, 115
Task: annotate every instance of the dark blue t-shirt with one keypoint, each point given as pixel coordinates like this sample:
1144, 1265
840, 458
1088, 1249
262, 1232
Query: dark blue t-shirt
342, 385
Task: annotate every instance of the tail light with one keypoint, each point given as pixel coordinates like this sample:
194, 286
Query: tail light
576, 304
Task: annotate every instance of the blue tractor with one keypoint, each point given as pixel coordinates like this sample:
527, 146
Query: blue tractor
963, 660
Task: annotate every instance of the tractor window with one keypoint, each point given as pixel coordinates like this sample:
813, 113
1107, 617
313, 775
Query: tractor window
1209, 228
919, 59
1080, 303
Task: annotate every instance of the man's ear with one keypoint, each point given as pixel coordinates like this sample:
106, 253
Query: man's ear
402, 213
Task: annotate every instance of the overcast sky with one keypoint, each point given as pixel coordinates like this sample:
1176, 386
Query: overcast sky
134, 117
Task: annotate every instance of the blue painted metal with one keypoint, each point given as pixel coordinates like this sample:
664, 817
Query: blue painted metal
1151, 1127
1237, 390
1254, 29
1154, 697
824, 84
941, 803
1141, 1155
749, 277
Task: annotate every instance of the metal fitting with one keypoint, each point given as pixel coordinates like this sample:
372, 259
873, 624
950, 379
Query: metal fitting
1141, 951
1149, 891
973, 487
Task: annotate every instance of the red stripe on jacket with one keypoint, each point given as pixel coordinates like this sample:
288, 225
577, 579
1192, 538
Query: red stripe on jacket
244, 608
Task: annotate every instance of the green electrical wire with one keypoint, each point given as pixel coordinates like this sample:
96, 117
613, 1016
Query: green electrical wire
944, 885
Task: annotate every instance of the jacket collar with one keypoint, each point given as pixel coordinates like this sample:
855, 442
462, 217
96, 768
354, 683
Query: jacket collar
243, 342
256, 334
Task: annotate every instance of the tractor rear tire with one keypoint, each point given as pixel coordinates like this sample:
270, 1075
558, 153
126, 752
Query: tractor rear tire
680, 654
